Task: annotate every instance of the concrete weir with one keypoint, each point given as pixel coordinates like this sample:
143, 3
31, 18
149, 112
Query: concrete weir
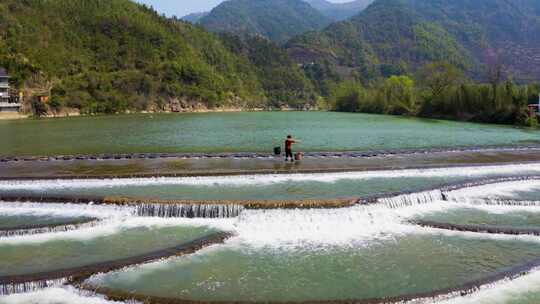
223, 209
248, 155
232, 208
38, 229
14, 288
444, 193
184, 208
478, 228
34, 281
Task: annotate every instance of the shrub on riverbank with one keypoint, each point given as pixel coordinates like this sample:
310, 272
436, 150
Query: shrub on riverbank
440, 91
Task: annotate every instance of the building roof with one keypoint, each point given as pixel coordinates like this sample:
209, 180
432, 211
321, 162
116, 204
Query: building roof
3, 72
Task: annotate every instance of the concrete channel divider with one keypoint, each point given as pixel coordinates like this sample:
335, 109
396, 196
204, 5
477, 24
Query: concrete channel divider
47, 228
477, 228
247, 155
162, 207
155, 207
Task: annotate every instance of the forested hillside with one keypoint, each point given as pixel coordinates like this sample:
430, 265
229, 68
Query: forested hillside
103, 56
397, 36
283, 81
457, 59
277, 20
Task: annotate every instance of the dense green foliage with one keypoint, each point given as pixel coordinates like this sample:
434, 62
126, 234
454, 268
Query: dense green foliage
393, 37
104, 56
282, 80
277, 20
388, 38
404, 57
111, 56
446, 94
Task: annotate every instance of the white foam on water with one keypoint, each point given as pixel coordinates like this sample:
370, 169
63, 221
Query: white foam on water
256, 180
442, 206
282, 228
291, 228
286, 228
502, 190
66, 295
64, 210
355, 226
318, 229
114, 226
523, 290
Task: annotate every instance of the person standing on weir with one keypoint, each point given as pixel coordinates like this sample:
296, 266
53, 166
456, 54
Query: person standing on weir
289, 142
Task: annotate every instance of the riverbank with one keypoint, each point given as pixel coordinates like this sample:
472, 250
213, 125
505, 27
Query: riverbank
13, 116
76, 113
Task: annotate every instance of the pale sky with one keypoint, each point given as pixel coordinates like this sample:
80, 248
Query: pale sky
181, 8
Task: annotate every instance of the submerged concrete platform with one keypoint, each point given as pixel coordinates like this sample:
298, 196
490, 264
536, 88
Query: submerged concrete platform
52, 168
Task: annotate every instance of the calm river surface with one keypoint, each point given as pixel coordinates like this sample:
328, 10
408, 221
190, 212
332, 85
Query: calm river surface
245, 132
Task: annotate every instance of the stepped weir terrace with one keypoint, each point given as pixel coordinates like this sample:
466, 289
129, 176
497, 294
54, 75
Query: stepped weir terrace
380, 210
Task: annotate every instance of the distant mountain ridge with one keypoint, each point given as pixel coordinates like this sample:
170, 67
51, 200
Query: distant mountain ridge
194, 17
339, 11
397, 36
277, 20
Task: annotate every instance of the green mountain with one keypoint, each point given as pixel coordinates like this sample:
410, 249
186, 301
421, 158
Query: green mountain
397, 36
333, 11
277, 20
104, 56
339, 11
282, 80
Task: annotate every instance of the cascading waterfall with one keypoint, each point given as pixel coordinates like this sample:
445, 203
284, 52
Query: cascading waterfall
14, 288
405, 200
51, 229
281, 227
189, 211
64, 294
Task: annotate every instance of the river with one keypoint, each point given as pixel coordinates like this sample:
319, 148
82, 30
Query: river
246, 132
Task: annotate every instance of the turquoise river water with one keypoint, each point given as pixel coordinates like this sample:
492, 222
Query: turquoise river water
245, 132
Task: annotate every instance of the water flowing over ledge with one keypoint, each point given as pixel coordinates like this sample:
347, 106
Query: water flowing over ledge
189, 211
39, 229
181, 208
450, 193
232, 208
16, 288
477, 228
64, 294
